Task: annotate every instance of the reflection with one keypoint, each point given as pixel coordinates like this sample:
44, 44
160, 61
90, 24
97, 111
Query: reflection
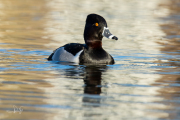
21, 38
171, 28
92, 81
92, 76
23, 24
170, 80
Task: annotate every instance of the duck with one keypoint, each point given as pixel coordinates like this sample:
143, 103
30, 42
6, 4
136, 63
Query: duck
91, 52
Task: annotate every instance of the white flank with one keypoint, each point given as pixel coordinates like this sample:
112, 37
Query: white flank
76, 57
62, 55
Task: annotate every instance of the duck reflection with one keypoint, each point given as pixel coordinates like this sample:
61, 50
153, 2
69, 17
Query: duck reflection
92, 80
92, 77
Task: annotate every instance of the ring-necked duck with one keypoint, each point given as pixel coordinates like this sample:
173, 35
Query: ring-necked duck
91, 51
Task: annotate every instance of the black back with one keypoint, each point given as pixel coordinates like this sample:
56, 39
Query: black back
72, 48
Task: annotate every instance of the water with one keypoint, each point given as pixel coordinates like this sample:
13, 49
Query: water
144, 83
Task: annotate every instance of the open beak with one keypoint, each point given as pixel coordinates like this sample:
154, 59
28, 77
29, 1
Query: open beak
106, 33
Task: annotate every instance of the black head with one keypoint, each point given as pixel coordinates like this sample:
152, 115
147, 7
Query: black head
96, 28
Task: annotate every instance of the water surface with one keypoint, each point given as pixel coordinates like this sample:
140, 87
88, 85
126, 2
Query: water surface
142, 84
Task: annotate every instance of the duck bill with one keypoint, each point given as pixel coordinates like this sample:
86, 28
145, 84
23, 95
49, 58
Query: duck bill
106, 33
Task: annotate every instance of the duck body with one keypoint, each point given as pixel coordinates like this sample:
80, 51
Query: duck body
80, 53
91, 52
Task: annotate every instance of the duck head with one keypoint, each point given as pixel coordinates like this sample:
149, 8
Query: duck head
96, 28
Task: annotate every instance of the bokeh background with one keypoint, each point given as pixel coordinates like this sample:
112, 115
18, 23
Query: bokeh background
144, 83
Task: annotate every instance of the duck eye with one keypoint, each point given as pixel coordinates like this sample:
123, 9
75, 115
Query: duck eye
96, 24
